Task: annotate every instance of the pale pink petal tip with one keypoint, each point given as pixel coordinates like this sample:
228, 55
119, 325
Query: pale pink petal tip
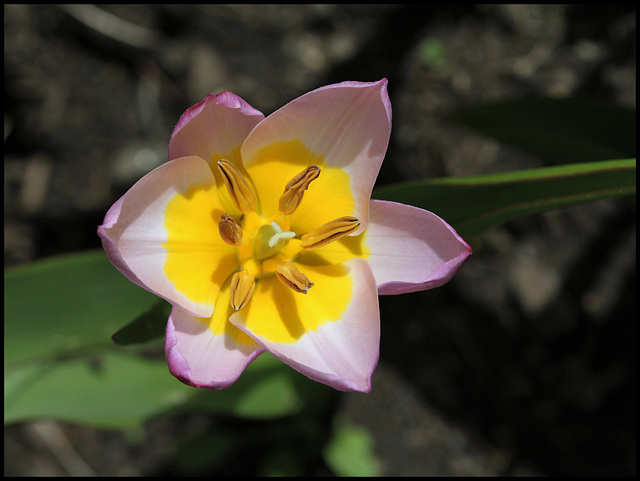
225, 99
412, 249
217, 125
201, 359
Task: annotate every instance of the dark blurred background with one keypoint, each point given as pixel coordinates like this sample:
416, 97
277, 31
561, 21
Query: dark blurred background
523, 364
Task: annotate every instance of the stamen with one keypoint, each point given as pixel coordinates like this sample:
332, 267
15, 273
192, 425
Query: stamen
242, 284
329, 232
294, 190
239, 189
230, 232
290, 276
279, 235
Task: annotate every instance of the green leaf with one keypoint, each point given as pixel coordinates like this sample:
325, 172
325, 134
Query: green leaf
57, 305
107, 389
119, 388
267, 389
472, 204
559, 130
61, 363
350, 451
147, 327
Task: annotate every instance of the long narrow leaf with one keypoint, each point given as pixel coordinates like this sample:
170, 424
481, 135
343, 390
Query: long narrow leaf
472, 204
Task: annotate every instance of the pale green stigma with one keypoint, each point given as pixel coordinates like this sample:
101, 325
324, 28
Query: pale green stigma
280, 237
269, 240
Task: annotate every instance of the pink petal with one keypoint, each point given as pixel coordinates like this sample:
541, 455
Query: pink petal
349, 124
218, 124
411, 249
200, 358
342, 354
133, 231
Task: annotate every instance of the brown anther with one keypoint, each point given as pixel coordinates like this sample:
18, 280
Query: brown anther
294, 190
242, 284
290, 276
239, 189
230, 232
329, 232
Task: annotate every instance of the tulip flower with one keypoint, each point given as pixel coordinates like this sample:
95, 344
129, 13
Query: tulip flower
261, 234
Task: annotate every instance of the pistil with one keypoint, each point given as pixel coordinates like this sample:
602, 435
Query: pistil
269, 240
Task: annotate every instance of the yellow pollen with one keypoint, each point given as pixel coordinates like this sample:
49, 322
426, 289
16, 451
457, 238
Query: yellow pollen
230, 231
242, 284
290, 276
294, 190
329, 232
239, 189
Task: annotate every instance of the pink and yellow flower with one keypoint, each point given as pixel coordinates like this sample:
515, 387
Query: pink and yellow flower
262, 235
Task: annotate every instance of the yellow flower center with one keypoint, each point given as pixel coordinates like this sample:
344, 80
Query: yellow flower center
262, 244
229, 242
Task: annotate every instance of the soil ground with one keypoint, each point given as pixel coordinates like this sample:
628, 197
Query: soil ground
523, 364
